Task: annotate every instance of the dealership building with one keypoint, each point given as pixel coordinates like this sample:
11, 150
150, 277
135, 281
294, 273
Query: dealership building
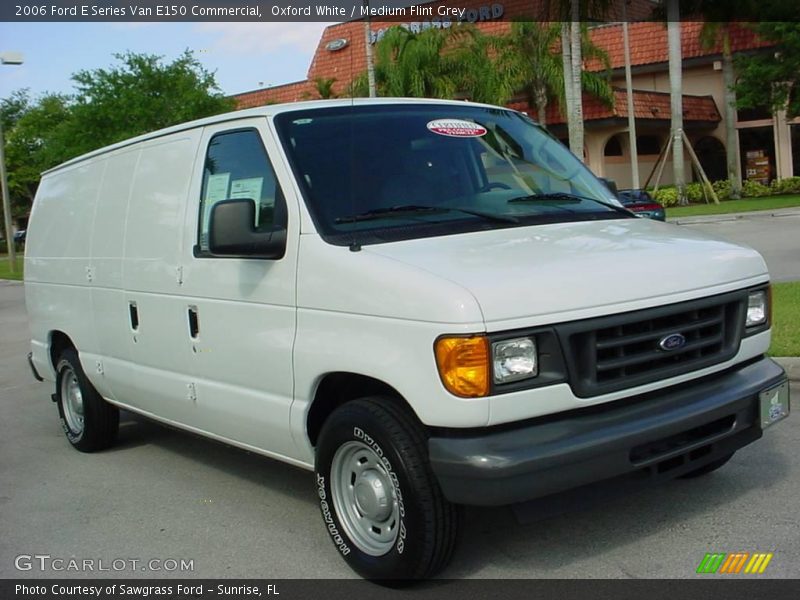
768, 145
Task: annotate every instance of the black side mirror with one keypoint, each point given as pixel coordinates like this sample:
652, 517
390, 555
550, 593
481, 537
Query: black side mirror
232, 232
611, 185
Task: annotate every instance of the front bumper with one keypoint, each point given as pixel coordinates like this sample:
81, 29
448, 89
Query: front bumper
660, 434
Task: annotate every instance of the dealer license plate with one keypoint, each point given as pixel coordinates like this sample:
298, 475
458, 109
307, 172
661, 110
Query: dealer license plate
774, 404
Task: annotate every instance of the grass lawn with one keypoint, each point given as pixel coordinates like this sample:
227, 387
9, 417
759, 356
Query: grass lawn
785, 319
733, 206
5, 268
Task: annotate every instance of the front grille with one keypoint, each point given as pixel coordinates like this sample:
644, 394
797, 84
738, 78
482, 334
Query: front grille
625, 350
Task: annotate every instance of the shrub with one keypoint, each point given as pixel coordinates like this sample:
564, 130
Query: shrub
694, 192
753, 189
666, 196
723, 189
790, 185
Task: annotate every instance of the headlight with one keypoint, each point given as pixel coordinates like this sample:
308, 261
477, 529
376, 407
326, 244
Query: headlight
514, 360
757, 308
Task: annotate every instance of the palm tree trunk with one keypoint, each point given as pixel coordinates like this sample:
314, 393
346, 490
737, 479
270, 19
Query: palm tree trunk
576, 129
676, 97
569, 95
731, 137
541, 105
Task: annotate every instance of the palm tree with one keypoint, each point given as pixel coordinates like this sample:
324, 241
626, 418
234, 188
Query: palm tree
676, 97
416, 65
324, 87
717, 30
530, 55
571, 12
439, 63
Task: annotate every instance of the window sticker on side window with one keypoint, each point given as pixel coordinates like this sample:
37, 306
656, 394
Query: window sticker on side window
456, 128
217, 187
247, 188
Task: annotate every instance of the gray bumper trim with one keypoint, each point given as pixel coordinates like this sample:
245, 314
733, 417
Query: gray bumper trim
660, 434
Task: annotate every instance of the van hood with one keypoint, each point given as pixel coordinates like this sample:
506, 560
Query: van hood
530, 272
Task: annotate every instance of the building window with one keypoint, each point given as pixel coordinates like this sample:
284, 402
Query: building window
712, 156
753, 114
648, 145
613, 147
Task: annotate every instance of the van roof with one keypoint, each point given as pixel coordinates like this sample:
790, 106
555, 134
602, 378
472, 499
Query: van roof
266, 111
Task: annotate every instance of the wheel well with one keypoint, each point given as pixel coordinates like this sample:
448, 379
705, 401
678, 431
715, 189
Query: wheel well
336, 389
59, 341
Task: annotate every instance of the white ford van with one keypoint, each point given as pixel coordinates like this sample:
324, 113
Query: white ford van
428, 303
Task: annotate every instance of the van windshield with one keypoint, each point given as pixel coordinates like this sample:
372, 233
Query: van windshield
378, 173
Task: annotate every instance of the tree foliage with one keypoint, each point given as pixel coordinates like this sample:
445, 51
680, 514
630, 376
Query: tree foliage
139, 94
772, 78
35, 142
462, 62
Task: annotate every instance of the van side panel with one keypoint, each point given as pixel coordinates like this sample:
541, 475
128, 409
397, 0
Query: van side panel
152, 371
108, 238
58, 267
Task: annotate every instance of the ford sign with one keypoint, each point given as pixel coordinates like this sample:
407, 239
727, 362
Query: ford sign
673, 341
335, 45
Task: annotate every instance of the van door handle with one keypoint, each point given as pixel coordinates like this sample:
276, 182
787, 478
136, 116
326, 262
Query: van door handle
194, 323
133, 312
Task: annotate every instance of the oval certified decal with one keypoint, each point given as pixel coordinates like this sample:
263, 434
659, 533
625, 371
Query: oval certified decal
456, 128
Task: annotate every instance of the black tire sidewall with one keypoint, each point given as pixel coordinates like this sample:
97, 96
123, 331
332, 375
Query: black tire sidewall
69, 360
403, 560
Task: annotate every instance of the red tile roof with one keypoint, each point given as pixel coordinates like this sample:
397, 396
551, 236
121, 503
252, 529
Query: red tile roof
648, 42
646, 105
648, 47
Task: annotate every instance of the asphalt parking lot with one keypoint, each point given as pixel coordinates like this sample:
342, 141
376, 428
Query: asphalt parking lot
772, 233
162, 494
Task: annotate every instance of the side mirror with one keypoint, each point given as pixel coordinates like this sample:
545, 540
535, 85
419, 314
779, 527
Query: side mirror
611, 185
232, 232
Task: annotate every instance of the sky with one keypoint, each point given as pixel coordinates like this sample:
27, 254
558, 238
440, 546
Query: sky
244, 56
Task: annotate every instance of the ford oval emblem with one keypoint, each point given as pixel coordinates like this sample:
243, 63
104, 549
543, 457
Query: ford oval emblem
335, 45
673, 341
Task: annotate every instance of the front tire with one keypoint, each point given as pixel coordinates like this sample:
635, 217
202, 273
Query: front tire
380, 501
89, 422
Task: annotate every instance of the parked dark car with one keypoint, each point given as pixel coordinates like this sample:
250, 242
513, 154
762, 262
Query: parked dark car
642, 203
19, 236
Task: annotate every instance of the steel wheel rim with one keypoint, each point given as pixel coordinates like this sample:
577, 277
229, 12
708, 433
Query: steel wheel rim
72, 400
365, 498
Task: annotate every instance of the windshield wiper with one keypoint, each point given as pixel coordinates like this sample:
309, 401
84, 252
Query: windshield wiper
565, 196
401, 210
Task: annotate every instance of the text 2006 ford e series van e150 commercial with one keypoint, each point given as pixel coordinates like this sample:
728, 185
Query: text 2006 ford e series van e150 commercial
428, 303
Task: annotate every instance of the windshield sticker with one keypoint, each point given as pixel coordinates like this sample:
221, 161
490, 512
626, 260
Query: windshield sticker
456, 128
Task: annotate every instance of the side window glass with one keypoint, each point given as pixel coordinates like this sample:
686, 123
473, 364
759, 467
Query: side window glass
236, 166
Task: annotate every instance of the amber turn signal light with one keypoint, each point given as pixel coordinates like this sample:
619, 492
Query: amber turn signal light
463, 364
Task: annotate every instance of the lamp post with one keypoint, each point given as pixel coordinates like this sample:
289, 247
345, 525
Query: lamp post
7, 58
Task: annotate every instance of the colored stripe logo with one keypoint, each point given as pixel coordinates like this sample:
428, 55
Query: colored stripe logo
735, 563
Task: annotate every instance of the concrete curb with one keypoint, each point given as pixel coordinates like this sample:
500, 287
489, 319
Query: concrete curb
790, 364
779, 212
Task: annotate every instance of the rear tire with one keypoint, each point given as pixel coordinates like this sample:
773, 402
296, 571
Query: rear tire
380, 501
89, 422
709, 468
